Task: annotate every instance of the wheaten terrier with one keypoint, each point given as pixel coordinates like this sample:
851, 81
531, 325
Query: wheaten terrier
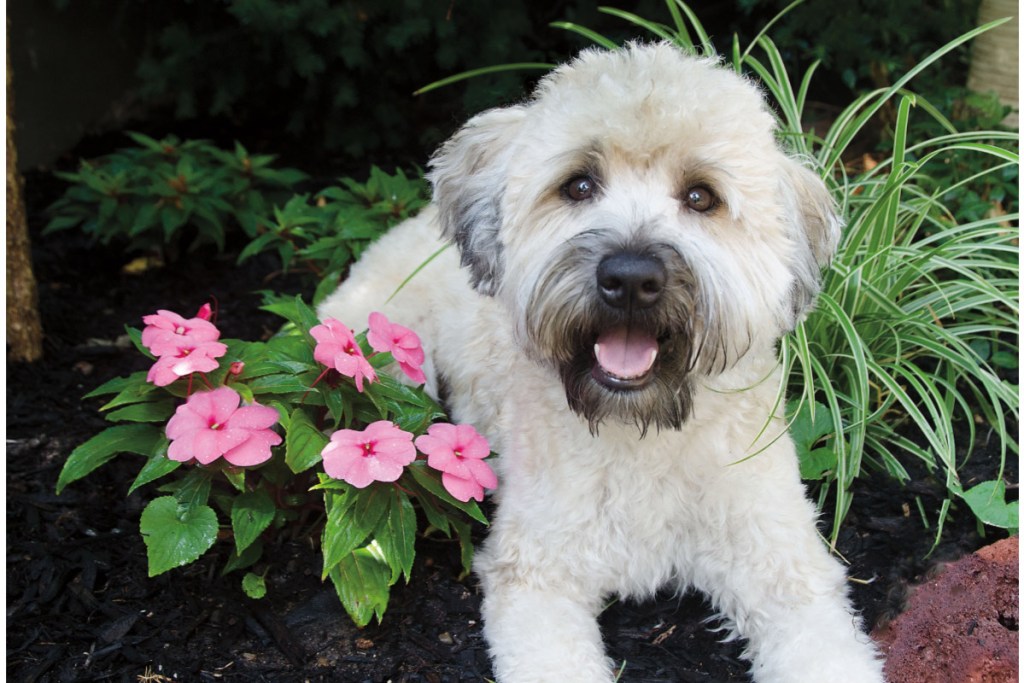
633, 244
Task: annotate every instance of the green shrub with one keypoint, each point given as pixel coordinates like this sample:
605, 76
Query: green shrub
161, 191
338, 75
865, 43
322, 237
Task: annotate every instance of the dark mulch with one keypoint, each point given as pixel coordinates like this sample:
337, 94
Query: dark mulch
81, 608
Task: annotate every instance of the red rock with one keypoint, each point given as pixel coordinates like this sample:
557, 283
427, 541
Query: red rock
960, 626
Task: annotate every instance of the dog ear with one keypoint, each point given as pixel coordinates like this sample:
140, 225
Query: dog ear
817, 228
468, 176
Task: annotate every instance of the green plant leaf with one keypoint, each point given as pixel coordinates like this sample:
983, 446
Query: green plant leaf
808, 426
351, 519
144, 439
158, 465
176, 534
396, 536
278, 384
361, 581
254, 585
235, 477
987, 501
194, 488
149, 411
303, 442
246, 558
428, 480
464, 532
133, 389
251, 514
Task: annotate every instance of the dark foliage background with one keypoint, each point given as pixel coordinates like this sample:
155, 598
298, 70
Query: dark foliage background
338, 76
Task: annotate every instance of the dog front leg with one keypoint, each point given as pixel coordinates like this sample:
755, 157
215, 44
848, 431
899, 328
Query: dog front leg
540, 634
787, 596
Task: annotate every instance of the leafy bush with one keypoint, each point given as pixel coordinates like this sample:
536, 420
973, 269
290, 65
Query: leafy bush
324, 236
155, 194
918, 309
339, 75
227, 475
866, 42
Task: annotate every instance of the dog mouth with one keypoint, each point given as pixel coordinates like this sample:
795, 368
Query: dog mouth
624, 358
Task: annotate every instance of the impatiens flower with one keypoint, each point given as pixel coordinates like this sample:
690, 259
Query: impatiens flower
187, 357
402, 342
378, 453
166, 331
211, 425
458, 451
337, 348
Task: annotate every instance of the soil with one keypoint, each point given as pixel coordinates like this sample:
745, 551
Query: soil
80, 606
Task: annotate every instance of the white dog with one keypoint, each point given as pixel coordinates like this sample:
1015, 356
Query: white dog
633, 244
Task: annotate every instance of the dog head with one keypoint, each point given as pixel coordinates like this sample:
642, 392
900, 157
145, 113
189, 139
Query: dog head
640, 223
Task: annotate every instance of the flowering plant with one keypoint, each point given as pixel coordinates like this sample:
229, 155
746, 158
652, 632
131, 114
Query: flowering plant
305, 429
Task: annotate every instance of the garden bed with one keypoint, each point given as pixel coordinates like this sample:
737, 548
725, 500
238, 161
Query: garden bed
80, 606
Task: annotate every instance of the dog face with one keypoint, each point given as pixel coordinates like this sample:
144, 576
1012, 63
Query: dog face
640, 224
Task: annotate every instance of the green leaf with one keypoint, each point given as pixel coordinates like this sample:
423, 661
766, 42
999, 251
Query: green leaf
251, 514
361, 582
150, 411
254, 585
158, 465
303, 442
397, 536
987, 501
176, 534
194, 488
278, 384
351, 518
807, 428
131, 394
429, 481
144, 439
246, 558
235, 477
465, 534
294, 310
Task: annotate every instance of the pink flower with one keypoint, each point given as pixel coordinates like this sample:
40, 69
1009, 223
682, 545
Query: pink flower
337, 348
166, 332
458, 451
403, 343
188, 358
378, 453
211, 425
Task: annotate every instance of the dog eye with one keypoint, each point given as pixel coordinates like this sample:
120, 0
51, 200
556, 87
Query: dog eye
580, 188
700, 199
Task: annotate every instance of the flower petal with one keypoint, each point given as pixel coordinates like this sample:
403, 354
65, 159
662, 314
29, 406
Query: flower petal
254, 417
462, 489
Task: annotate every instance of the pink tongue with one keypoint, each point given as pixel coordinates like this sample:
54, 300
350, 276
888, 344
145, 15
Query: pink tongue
625, 353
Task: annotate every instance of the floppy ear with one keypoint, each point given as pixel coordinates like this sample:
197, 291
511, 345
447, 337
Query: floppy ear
816, 226
468, 174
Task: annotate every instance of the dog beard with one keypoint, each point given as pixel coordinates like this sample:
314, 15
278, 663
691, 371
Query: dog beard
658, 350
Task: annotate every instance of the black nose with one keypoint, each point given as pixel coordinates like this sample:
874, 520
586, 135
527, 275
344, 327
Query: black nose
628, 280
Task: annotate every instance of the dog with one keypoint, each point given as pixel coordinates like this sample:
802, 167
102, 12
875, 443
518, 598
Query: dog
630, 243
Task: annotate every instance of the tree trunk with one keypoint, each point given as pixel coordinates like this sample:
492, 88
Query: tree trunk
24, 333
995, 61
